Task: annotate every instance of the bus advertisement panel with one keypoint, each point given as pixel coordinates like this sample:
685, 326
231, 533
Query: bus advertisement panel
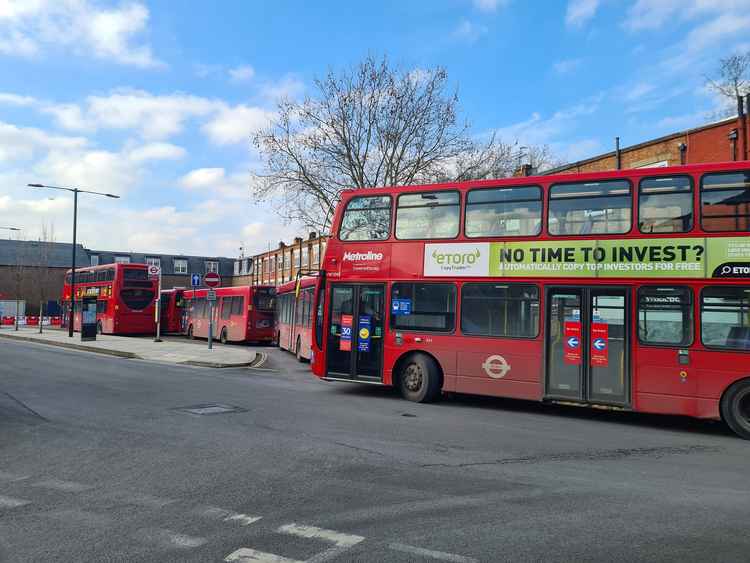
627, 290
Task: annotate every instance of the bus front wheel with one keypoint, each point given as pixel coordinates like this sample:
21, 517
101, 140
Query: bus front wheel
735, 408
191, 336
298, 350
99, 329
419, 379
223, 336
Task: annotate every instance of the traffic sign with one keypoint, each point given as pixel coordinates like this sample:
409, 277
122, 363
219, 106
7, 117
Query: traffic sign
210, 295
195, 280
154, 270
212, 279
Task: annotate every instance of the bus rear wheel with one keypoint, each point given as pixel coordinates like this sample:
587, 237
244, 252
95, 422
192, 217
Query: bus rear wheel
99, 329
735, 408
191, 336
419, 379
298, 350
223, 335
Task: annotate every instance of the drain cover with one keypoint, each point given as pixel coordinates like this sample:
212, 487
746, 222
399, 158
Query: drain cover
210, 408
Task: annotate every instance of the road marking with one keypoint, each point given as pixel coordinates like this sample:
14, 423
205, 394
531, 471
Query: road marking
65, 486
5, 476
247, 555
169, 538
10, 502
229, 516
440, 555
311, 532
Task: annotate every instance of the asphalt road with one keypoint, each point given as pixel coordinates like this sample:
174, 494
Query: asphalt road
98, 463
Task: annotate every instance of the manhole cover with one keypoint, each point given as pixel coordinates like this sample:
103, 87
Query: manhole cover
210, 408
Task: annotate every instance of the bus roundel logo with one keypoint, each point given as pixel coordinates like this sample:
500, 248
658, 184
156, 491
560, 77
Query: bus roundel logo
496, 367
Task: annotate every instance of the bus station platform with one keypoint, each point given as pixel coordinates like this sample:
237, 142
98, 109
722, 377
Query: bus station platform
170, 350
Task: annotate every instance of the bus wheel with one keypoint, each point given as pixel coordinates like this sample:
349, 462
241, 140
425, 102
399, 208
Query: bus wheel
420, 379
298, 350
99, 328
191, 336
735, 408
223, 335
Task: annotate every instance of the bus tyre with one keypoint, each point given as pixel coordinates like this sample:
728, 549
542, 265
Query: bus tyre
99, 329
191, 336
298, 350
735, 408
419, 379
223, 335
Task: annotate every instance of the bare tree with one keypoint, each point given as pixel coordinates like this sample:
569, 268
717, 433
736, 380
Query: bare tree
733, 77
371, 125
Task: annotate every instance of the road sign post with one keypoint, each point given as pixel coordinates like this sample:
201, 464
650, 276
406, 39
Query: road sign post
211, 298
155, 272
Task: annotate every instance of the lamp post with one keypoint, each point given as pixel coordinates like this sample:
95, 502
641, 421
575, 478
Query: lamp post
9, 229
75, 192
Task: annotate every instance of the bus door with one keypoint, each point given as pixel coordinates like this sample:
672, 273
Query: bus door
587, 345
355, 333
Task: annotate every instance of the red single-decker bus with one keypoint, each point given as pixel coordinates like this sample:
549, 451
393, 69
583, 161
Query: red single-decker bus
294, 316
172, 305
240, 314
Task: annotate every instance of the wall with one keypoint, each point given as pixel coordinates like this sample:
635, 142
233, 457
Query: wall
37, 283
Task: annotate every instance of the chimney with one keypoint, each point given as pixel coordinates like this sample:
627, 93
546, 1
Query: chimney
683, 153
297, 240
313, 235
618, 155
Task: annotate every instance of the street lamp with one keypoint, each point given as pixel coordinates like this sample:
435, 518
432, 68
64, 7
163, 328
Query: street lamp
10, 229
75, 191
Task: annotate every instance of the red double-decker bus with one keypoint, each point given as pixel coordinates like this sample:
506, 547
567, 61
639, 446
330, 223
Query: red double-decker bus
125, 298
172, 307
624, 290
294, 304
240, 314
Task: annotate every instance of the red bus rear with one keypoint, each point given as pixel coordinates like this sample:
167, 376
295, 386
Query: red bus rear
125, 298
240, 314
294, 317
172, 310
625, 290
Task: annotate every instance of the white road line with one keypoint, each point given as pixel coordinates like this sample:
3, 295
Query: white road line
10, 502
247, 555
311, 532
65, 486
5, 476
169, 538
440, 555
229, 516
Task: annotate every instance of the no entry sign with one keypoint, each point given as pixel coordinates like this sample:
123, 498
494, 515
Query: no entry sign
212, 279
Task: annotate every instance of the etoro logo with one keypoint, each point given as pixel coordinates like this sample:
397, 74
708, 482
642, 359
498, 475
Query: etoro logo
368, 256
457, 259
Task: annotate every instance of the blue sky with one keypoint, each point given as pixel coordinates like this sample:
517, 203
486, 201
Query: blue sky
157, 100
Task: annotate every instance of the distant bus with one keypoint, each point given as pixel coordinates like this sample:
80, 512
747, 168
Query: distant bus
240, 314
172, 310
625, 290
125, 298
294, 317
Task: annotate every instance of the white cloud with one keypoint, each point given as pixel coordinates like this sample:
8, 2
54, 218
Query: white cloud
28, 27
236, 124
68, 116
157, 151
468, 31
202, 178
242, 73
489, 5
16, 100
638, 91
579, 12
567, 66
24, 143
287, 87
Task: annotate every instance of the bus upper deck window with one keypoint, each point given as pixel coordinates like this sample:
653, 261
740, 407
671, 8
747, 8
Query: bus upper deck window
590, 208
367, 218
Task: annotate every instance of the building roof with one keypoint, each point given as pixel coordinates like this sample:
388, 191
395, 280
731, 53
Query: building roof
37, 253
59, 255
612, 154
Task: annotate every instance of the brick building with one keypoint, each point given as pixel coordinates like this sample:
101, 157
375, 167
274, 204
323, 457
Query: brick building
723, 141
281, 264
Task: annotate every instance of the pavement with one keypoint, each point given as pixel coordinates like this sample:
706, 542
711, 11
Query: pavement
103, 459
173, 350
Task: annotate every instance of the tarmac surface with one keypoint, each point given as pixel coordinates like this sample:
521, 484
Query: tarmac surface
111, 459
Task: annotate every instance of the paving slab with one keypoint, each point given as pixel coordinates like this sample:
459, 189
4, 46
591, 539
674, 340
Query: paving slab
169, 351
